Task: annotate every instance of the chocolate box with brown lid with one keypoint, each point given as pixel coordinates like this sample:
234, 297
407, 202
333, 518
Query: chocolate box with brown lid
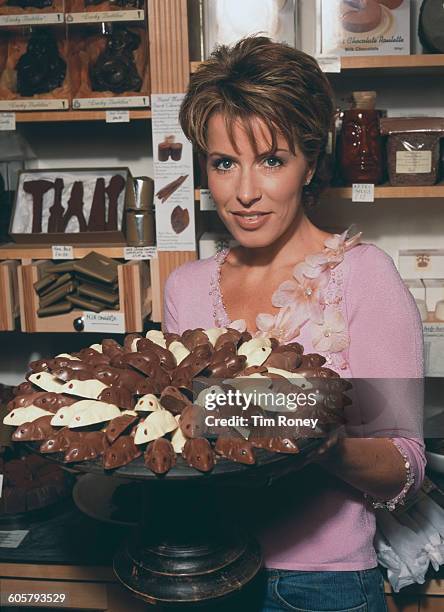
71, 206
413, 149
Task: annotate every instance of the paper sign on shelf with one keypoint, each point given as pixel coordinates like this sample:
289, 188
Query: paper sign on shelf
105, 16
31, 19
107, 322
114, 102
62, 251
140, 253
173, 176
7, 122
329, 64
206, 200
117, 116
12, 539
363, 192
34, 105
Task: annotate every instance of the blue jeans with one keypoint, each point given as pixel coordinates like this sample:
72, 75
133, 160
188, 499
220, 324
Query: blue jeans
303, 591
276, 590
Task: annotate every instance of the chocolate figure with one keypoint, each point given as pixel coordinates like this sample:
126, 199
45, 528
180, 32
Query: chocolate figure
198, 453
115, 69
40, 69
160, 456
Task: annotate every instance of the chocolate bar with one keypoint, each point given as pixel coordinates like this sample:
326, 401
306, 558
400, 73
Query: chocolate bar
44, 283
58, 294
64, 266
54, 309
61, 280
86, 304
98, 293
97, 267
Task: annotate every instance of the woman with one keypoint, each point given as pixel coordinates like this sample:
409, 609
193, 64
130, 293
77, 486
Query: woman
260, 113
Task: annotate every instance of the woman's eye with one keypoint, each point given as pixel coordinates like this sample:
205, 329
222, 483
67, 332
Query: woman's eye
223, 164
272, 162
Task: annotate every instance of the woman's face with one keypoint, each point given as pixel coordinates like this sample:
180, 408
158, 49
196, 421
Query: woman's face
257, 197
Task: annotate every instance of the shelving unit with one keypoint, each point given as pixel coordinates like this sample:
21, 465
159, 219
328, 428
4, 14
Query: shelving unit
25, 252
67, 116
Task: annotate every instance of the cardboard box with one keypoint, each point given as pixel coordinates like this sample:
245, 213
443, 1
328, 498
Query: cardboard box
364, 27
26, 206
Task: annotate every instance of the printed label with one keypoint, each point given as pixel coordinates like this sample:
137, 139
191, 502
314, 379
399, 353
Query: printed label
117, 116
363, 192
31, 19
30, 105
7, 122
98, 103
104, 322
62, 251
413, 162
101, 16
206, 200
148, 252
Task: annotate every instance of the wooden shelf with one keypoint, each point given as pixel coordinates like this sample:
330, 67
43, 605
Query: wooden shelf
383, 192
391, 193
420, 64
29, 252
75, 115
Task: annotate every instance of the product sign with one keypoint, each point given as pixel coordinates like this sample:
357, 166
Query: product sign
7, 122
62, 251
140, 253
107, 322
363, 192
173, 176
117, 116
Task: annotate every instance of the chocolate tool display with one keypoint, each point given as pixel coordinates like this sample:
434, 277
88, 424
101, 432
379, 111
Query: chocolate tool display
168, 190
115, 69
90, 284
135, 410
71, 201
41, 69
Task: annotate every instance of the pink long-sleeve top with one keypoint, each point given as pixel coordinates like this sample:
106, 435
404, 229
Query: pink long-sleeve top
323, 523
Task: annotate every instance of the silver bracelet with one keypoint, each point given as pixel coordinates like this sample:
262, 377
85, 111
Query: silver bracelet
400, 498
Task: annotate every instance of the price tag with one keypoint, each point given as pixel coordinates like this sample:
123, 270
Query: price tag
329, 64
206, 200
7, 122
106, 322
148, 252
12, 539
363, 192
117, 116
62, 251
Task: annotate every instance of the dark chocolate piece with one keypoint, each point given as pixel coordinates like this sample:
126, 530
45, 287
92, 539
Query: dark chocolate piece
121, 452
40, 429
58, 294
40, 365
231, 366
98, 294
61, 280
86, 303
97, 268
231, 336
198, 453
55, 309
60, 441
24, 388
37, 190
115, 69
44, 283
55, 221
235, 448
198, 359
166, 357
284, 360
180, 219
89, 446
24, 400
182, 377
194, 337
96, 221
160, 456
113, 191
75, 207
192, 421
129, 339
118, 426
40, 69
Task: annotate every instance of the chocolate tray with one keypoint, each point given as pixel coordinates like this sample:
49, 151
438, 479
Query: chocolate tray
268, 465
